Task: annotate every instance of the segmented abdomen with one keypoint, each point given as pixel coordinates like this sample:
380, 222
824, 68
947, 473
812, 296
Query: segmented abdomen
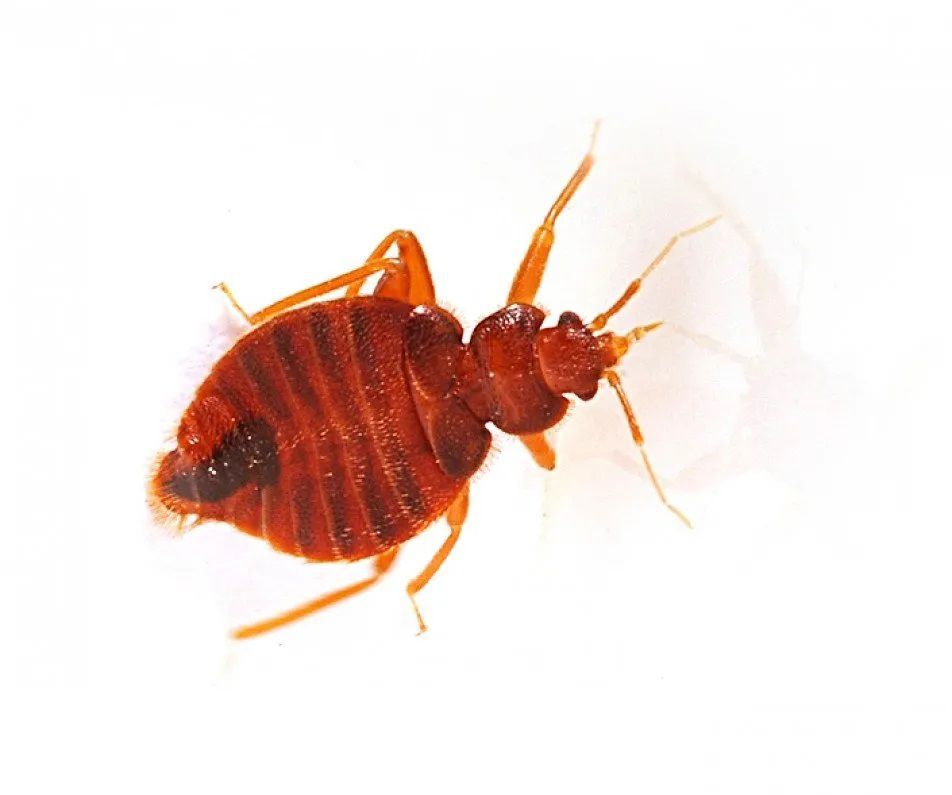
324, 388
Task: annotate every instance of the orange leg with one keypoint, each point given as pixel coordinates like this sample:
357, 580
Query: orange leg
411, 283
540, 449
382, 562
369, 268
525, 285
406, 277
455, 516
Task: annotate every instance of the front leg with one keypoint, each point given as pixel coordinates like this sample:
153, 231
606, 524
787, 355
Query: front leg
526, 283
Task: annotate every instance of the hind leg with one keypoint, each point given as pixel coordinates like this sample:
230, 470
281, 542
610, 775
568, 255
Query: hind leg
369, 268
412, 282
382, 563
406, 277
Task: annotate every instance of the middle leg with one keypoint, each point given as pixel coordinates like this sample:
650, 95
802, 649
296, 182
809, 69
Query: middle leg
455, 516
540, 449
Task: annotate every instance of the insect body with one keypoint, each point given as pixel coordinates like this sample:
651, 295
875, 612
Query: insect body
338, 430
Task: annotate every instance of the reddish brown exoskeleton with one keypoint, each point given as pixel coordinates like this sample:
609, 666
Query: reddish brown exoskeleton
338, 430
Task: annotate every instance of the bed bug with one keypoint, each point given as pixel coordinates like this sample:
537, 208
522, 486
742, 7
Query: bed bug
337, 430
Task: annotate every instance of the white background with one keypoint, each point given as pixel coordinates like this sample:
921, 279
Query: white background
581, 639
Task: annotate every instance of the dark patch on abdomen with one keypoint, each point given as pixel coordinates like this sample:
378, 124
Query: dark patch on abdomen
246, 454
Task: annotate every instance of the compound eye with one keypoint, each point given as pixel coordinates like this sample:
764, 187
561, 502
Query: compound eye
570, 319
